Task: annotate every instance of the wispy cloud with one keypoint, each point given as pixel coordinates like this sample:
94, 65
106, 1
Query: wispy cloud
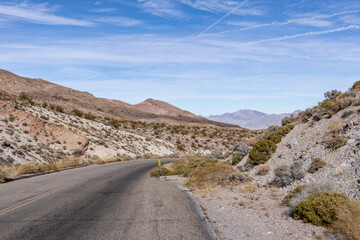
221, 6
39, 14
119, 21
222, 18
104, 10
299, 35
315, 21
161, 8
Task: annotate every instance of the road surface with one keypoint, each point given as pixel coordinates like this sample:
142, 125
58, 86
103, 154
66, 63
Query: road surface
111, 201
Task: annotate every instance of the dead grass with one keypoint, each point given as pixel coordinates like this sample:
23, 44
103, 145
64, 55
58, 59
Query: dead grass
263, 170
33, 167
347, 226
334, 138
211, 176
248, 187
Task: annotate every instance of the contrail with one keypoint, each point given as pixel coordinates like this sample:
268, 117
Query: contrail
222, 18
295, 20
308, 34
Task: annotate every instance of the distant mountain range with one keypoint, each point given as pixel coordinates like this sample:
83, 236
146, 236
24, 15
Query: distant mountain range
251, 119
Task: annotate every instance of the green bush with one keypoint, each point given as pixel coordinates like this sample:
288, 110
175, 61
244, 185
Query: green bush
262, 151
321, 209
236, 159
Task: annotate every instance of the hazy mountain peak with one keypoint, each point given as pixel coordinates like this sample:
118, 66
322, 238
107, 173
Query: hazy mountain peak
250, 119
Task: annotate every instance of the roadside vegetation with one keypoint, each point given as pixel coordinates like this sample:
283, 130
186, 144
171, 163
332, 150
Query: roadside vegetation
6, 173
322, 205
202, 172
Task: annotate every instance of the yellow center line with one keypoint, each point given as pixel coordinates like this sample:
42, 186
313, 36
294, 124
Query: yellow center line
38, 197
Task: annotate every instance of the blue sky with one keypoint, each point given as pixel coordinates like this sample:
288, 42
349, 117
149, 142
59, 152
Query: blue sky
205, 56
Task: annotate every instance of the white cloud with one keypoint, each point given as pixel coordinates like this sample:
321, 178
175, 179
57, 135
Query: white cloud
104, 10
39, 14
242, 23
161, 8
313, 21
221, 6
119, 21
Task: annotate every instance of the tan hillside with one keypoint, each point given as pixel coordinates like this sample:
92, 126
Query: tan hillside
41, 90
45, 122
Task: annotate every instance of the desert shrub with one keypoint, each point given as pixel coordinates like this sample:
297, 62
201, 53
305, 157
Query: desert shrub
288, 120
211, 175
332, 94
321, 208
346, 114
335, 141
263, 170
242, 149
277, 136
303, 192
316, 164
89, 116
78, 152
78, 112
346, 226
285, 175
180, 169
215, 155
270, 130
297, 171
156, 172
261, 152
333, 138
115, 123
288, 198
2, 176
236, 159
27, 168
241, 177
59, 108
356, 86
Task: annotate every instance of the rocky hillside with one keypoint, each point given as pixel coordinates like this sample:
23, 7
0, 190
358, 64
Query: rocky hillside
323, 147
34, 131
250, 119
150, 110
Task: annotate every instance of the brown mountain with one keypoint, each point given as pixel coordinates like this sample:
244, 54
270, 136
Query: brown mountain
41, 91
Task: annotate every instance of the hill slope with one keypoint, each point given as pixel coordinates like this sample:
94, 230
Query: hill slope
41, 90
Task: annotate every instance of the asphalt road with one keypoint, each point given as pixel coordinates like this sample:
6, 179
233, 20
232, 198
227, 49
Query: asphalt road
111, 201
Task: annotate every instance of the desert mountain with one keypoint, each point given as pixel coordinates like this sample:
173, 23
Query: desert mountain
250, 119
43, 122
149, 110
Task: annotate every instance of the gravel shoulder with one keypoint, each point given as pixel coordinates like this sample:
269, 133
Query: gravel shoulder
242, 212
